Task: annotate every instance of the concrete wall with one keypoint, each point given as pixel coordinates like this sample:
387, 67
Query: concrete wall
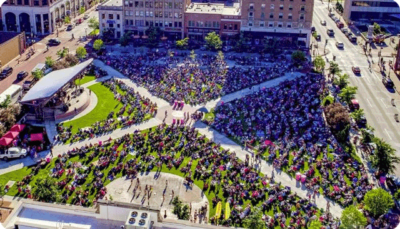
11, 49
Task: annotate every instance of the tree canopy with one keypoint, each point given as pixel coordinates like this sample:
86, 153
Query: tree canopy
337, 116
341, 80
352, 218
49, 62
37, 74
98, 44
213, 41
334, 68
254, 220
81, 52
384, 159
315, 225
378, 202
93, 23
298, 56
182, 44
348, 93
319, 63
46, 189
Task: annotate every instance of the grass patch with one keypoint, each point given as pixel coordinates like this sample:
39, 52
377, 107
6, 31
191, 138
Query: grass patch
85, 79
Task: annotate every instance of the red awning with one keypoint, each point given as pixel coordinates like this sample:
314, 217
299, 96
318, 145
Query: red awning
36, 137
11, 134
5, 141
17, 127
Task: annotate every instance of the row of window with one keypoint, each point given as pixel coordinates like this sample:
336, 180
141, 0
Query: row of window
110, 16
374, 4
206, 24
26, 2
111, 25
167, 24
280, 15
271, 24
158, 14
167, 5
251, 7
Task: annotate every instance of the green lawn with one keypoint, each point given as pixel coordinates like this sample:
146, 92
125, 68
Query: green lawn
105, 104
87, 185
85, 79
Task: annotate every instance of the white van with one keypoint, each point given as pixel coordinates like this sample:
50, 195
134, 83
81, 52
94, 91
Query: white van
15, 93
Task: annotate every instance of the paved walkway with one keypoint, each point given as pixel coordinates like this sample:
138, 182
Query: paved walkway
267, 169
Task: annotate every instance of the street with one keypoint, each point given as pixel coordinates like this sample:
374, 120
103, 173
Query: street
41, 54
372, 95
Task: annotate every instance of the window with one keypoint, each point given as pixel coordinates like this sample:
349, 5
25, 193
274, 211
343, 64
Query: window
271, 15
290, 7
289, 25
262, 15
118, 26
301, 16
117, 16
136, 4
36, 2
137, 13
180, 24
126, 3
272, 6
225, 26
250, 14
251, 6
142, 13
303, 8
111, 25
262, 24
281, 7
130, 3
270, 24
151, 13
236, 27
131, 13
126, 13
263, 6
147, 13
176, 15
250, 23
290, 16
280, 15
103, 16
26, 2
280, 25
126, 22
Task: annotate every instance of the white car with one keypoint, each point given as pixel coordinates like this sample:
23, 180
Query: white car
13, 152
323, 22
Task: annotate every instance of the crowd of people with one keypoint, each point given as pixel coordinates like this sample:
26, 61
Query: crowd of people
285, 125
136, 109
194, 80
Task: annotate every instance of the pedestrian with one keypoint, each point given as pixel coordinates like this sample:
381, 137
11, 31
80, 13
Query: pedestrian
75, 110
90, 92
166, 112
51, 151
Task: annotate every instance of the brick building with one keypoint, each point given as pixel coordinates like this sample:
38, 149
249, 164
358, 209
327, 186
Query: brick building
203, 18
37, 17
111, 19
288, 20
167, 15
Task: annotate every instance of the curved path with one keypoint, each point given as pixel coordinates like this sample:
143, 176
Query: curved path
128, 191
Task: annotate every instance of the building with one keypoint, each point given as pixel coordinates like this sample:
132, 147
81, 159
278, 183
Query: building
37, 17
111, 19
355, 10
139, 15
203, 18
288, 20
11, 45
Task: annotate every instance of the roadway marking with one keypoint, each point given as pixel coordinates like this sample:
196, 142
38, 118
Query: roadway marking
388, 134
384, 103
369, 102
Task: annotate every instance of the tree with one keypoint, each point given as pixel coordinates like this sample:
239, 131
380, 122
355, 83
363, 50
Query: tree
337, 116
298, 57
213, 41
377, 28
341, 80
348, 93
254, 220
71, 60
220, 56
357, 114
6, 102
2, 193
45, 189
339, 7
334, 68
378, 202
384, 159
180, 209
367, 136
319, 63
49, 62
352, 218
67, 20
153, 36
193, 55
93, 23
81, 52
124, 40
37, 74
182, 44
82, 10
315, 225
62, 53
98, 44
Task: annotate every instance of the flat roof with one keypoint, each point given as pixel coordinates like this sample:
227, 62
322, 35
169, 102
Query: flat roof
113, 3
214, 8
5, 36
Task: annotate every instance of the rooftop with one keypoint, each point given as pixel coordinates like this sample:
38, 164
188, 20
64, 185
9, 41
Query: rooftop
214, 8
113, 3
5, 36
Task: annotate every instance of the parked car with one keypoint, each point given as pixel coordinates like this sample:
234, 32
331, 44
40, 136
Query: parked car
323, 22
356, 70
13, 152
54, 42
362, 121
312, 29
344, 30
6, 72
27, 85
339, 24
78, 21
352, 39
330, 32
70, 27
21, 75
387, 82
339, 45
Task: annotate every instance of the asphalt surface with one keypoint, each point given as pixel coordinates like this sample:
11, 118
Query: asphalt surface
372, 95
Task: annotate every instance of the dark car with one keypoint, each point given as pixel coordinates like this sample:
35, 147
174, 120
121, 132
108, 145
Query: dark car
312, 29
22, 75
387, 82
6, 72
356, 70
70, 27
54, 42
362, 120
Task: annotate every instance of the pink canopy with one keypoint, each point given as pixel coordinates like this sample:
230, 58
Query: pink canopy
5, 141
269, 143
17, 127
36, 137
11, 134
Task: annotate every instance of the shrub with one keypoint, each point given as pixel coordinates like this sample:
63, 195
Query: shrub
327, 100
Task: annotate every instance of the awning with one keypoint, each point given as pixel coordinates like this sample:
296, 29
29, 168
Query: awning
17, 127
5, 141
395, 16
37, 137
11, 134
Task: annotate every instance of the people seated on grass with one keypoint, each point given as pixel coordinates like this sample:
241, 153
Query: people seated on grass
218, 172
194, 81
135, 109
285, 125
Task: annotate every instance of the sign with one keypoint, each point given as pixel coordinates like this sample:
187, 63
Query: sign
173, 29
218, 210
110, 21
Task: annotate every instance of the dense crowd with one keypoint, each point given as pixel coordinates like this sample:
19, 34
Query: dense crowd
194, 80
286, 125
135, 109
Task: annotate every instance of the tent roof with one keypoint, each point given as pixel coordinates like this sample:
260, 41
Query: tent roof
36, 137
11, 134
52, 82
17, 127
5, 141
